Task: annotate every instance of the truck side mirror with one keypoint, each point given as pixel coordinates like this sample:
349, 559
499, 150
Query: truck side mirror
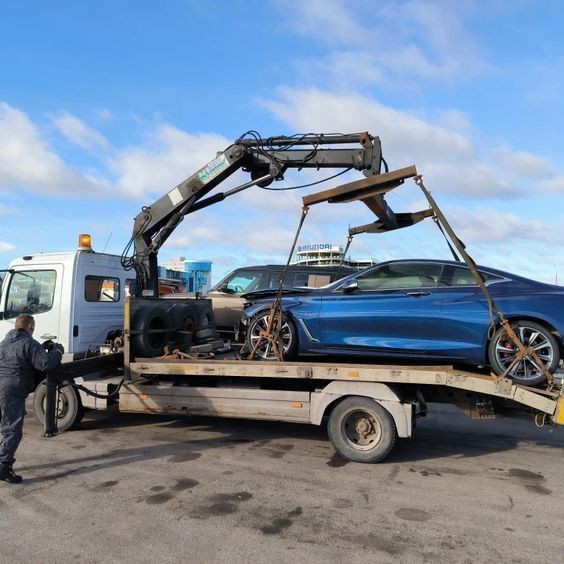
349, 287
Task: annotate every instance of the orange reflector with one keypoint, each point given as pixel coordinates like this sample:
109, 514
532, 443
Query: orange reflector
297, 404
143, 397
84, 242
559, 415
353, 373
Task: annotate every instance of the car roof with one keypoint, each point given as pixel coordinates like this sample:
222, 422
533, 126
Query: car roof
489, 269
294, 267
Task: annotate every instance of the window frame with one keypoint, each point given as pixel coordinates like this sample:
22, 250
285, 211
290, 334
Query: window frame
102, 278
27, 273
365, 274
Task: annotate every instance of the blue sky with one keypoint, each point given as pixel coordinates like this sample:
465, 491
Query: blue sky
105, 106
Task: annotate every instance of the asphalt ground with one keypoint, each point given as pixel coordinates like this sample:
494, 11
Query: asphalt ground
145, 488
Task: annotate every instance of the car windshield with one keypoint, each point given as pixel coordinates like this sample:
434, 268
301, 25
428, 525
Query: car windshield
238, 282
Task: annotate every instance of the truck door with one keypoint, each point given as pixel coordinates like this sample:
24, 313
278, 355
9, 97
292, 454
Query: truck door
36, 292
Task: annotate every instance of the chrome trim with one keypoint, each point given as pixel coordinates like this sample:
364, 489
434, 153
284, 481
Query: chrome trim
306, 331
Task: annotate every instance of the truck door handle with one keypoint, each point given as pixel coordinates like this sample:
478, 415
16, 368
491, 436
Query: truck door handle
418, 293
47, 336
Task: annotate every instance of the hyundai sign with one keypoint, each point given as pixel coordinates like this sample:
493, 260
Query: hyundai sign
319, 247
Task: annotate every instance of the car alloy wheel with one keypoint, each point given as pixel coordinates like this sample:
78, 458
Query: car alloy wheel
526, 371
265, 349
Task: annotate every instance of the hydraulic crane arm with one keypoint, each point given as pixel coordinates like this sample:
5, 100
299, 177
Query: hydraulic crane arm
266, 160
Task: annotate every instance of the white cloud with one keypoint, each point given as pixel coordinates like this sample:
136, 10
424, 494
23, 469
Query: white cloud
554, 185
27, 161
327, 20
104, 114
525, 163
388, 43
401, 133
79, 133
4, 209
493, 227
167, 158
447, 157
6, 246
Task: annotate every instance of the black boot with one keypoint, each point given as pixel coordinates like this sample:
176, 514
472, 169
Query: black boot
7, 475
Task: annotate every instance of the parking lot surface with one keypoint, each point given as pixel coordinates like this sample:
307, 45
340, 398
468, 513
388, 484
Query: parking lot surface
141, 488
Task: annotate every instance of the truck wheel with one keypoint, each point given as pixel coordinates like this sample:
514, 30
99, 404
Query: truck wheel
502, 351
361, 430
288, 337
69, 407
152, 324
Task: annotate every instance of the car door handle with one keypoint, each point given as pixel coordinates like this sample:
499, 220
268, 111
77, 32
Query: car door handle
47, 336
418, 293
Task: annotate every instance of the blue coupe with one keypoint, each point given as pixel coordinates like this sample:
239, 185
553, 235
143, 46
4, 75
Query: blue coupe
420, 309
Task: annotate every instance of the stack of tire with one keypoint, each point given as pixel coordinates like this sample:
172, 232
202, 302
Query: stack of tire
186, 325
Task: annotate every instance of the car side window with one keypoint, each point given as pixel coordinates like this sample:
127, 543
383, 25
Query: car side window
401, 275
274, 279
461, 276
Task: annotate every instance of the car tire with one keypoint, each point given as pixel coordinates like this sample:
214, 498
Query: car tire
361, 430
502, 350
288, 335
69, 407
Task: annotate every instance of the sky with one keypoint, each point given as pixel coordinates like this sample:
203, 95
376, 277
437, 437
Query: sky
105, 106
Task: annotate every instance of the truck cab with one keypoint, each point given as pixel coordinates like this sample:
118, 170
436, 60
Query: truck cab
76, 297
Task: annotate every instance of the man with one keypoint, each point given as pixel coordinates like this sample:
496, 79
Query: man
21, 357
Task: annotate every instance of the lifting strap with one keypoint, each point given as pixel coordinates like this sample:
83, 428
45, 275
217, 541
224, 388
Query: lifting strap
438, 224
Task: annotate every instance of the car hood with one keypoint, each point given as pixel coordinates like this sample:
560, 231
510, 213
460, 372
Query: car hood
271, 292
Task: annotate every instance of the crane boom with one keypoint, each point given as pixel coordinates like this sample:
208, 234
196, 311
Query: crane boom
266, 159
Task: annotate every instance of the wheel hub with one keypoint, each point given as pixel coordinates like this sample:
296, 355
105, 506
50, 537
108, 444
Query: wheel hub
361, 430
364, 427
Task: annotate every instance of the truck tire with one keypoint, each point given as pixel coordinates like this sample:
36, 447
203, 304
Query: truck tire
69, 407
361, 430
152, 324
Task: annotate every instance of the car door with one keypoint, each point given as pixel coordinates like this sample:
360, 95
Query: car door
393, 309
465, 317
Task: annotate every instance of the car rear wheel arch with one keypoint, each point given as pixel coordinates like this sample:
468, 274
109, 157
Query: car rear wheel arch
517, 318
553, 338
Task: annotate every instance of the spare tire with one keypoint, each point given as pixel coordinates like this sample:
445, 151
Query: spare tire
152, 331
204, 316
183, 317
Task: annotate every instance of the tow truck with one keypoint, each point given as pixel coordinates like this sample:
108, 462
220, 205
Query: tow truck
168, 359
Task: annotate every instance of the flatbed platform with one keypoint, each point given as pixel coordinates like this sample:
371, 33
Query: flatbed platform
550, 403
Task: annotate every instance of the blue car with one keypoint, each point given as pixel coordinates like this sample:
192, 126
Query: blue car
424, 309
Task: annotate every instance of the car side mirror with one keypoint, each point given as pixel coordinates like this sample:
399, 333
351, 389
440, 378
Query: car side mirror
349, 286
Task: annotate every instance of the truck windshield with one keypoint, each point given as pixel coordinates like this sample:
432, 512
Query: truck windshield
30, 292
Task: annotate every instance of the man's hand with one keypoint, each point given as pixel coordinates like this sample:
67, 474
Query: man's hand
48, 345
59, 347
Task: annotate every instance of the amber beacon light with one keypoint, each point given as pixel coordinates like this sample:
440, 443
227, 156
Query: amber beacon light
84, 242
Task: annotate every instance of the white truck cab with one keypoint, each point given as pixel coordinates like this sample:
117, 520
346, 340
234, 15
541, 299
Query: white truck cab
75, 297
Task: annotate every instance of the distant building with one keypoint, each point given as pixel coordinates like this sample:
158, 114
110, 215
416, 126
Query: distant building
196, 274
326, 254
